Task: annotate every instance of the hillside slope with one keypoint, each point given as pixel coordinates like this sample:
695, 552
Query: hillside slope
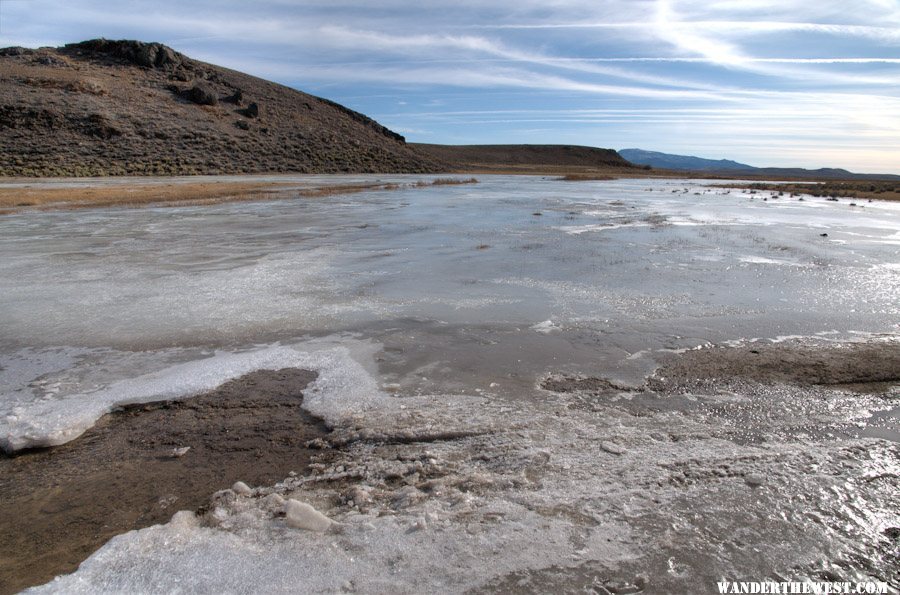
105, 107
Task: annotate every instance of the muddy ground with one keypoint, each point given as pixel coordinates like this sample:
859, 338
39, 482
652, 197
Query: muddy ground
61, 504
752, 462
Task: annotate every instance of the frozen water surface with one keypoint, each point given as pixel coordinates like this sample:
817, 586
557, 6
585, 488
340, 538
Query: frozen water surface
405, 302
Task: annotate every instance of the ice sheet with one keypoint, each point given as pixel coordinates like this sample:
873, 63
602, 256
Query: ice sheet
55, 419
119, 287
576, 492
460, 300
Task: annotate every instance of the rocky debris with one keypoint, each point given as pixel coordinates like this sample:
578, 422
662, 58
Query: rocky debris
242, 124
252, 110
16, 51
180, 74
236, 98
201, 95
51, 61
273, 503
359, 496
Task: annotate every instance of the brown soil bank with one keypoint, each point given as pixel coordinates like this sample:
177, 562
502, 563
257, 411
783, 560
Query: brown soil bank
854, 366
61, 504
137, 195
867, 367
102, 107
61, 196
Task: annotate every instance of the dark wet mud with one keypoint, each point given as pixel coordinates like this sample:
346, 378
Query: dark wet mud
61, 504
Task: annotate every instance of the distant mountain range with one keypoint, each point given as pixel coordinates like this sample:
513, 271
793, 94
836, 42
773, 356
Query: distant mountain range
659, 160
668, 161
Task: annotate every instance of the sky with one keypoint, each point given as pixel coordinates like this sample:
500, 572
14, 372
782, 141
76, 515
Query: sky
766, 82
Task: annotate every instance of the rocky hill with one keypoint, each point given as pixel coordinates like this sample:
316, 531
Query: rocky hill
106, 107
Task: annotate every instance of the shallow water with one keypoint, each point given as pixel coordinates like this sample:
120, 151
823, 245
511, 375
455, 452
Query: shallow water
477, 290
602, 276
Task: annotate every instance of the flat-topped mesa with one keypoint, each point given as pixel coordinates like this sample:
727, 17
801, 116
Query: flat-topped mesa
573, 157
129, 51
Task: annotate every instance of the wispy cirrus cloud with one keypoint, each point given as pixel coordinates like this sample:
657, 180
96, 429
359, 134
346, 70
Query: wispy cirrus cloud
888, 34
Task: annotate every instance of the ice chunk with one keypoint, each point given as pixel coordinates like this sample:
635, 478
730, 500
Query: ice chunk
548, 326
240, 488
184, 519
301, 515
612, 448
343, 388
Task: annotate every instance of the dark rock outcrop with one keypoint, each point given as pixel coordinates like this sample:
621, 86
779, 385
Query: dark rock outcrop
201, 95
236, 98
148, 55
16, 51
252, 110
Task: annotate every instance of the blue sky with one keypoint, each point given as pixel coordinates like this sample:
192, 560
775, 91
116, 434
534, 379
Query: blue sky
781, 83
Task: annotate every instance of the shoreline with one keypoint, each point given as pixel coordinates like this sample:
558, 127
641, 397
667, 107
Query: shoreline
831, 189
19, 195
40, 195
65, 502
